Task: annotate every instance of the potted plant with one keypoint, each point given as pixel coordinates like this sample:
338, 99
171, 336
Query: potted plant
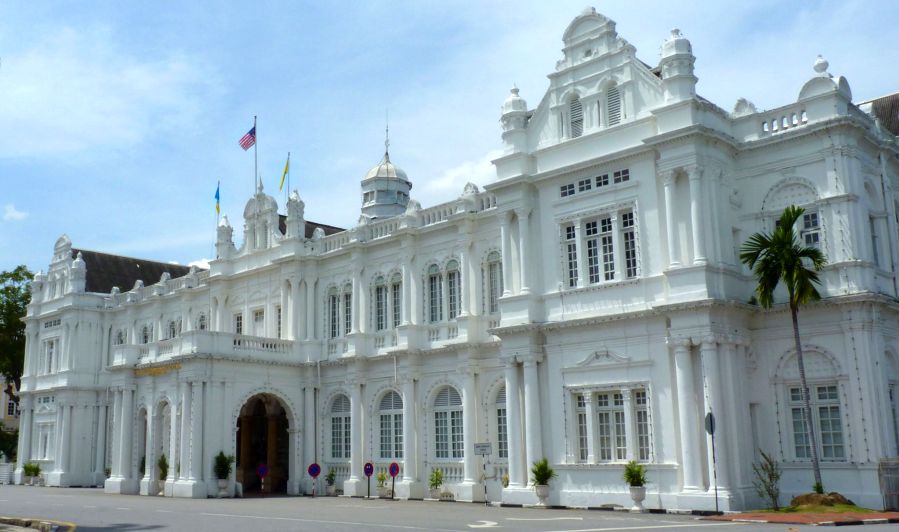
222, 469
541, 474
504, 480
330, 478
435, 481
31, 471
383, 490
635, 476
162, 463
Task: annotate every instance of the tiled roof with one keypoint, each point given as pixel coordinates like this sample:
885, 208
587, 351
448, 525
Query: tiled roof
886, 109
105, 271
310, 227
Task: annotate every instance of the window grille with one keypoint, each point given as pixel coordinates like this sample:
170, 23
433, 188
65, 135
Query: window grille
333, 316
811, 231
340, 427
238, 324
608, 254
448, 441
391, 417
620, 176
452, 287
566, 190
502, 430
581, 411
397, 295
347, 312
495, 282
629, 241
435, 295
583, 185
380, 305
571, 254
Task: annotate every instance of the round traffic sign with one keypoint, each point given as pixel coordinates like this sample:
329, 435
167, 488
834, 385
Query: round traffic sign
394, 469
262, 470
369, 469
314, 470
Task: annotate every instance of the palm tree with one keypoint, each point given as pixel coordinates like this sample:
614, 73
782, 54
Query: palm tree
780, 256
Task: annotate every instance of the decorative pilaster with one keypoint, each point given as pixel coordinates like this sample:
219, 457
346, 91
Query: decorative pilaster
410, 438
581, 250
469, 425
618, 251
184, 452
590, 412
310, 309
196, 431
506, 249
697, 218
517, 471
26, 427
125, 461
533, 426
671, 229
524, 239
687, 416
309, 429
630, 428
465, 279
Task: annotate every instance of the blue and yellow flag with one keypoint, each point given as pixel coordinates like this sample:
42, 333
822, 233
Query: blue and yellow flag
284, 174
218, 209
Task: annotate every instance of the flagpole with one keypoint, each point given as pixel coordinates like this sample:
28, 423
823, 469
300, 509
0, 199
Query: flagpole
288, 174
255, 156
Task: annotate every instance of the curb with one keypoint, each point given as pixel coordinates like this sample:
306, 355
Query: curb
44, 525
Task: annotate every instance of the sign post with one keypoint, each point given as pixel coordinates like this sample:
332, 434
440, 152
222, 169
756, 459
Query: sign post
394, 470
314, 471
710, 428
485, 450
262, 471
368, 470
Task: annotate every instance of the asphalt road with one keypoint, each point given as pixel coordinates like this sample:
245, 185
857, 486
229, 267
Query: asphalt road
92, 510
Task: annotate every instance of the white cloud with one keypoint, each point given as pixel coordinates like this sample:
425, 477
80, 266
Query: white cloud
74, 91
10, 214
479, 171
202, 263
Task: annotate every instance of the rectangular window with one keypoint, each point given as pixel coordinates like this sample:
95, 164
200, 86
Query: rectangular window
602, 180
571, 252
441, 435
641, 416
495, 280
592, 230
826, 418
585, 184
452, 286
380, 307
629, 241
435, 299
386, 436
811, 229
238, 324
333, 316
279, 319
566, 190
49, 363
582, 450
11, 408
340, 436
397, 294
259, 323
621, 176
608, 255
456, 426
347, 313
611, 426
502, 433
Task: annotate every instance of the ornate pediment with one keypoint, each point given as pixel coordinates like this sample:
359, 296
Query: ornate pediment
603, 356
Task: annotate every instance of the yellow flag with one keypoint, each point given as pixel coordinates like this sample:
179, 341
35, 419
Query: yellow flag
283, 175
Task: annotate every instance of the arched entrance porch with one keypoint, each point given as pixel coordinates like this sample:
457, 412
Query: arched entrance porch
263, 438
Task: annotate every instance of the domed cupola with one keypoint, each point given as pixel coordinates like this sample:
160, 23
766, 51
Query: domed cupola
385, 189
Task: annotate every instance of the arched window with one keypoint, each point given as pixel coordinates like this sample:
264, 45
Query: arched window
502, 429
340, 427
391, 413
201, 322
453, 289
435, 294
347, 308
613, 105
119, 337
576, 117
448, 424
146, 334
333, 313
380, 304
396, 295
493, 281
172, 330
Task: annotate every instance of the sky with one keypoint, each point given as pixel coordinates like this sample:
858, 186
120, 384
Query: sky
120, 118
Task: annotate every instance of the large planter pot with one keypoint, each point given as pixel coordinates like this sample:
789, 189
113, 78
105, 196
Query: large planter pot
542, 493
384, 492
27, 481
638, 493
434, 493
160, 488
331, 490
223, 487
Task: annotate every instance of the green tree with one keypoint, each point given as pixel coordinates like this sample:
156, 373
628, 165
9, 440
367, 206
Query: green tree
777, 257
15, 293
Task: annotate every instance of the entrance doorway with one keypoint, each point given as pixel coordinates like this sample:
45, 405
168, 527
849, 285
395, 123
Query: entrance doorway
263, 439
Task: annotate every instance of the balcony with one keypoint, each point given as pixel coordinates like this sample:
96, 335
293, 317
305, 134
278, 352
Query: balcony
220, 344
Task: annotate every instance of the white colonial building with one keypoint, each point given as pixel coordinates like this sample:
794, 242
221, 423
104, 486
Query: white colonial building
588, 307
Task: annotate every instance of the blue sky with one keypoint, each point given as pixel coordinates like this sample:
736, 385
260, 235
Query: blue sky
120, 117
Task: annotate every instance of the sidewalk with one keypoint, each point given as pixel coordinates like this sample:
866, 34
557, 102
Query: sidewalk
798, 518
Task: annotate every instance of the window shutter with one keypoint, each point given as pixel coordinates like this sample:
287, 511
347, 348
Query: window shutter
340, 405
392, 401
501, 396
576, 116
447, 397
613, 104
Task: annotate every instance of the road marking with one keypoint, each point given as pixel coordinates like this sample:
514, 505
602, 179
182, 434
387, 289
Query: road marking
123, 509
544, 519
363, 507
485, 524
366, 525
648, 527
90, 506
165, 511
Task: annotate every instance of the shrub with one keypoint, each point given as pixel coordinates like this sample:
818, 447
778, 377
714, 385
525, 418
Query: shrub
163, 464
435, 480
31, 469
107, 471
505, 480
331, 477
818, 488
767, 479
382, 479
635, 474
542, 473
222, 466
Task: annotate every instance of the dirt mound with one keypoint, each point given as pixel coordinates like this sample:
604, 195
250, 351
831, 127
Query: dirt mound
820, 499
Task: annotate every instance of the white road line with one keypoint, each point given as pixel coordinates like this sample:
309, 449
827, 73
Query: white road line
165, 511
544, 519
366, 525
123, 509
648, 527
90, 506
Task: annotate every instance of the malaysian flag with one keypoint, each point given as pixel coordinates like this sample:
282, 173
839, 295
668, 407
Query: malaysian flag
247, 141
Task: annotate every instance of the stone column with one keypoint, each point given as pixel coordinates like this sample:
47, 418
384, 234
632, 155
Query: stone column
469, 426
711, 377
407, 291
115, 459
671, 233
696, 215
57, 454
100, 452
125, 466
517, 471
356, 433
506, 248
465, 280
26, 427
356, 307
414, 294
590, 414
533, 424
186, 414
150, 450
173, 441
310, 309
630, 435
196, 431
66, 441
410, 462
524, 239
687, 416
271, 451
285, 311
309, 429
296, 322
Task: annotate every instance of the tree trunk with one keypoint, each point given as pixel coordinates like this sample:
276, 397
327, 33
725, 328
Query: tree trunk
809, 424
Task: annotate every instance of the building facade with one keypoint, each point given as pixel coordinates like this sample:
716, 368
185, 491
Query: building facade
588, 307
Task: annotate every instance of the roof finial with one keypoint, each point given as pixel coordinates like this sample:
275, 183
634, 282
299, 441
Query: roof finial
386, 135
